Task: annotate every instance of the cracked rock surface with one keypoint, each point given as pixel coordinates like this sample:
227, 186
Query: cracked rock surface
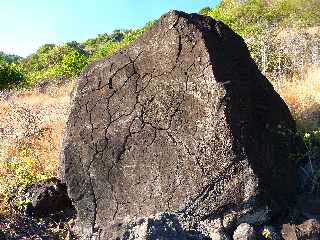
180, 121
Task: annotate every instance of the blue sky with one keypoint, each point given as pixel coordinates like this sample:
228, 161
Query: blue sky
28, 24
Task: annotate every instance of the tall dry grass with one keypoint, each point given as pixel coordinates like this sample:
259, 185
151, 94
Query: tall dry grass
31, 129
302, 95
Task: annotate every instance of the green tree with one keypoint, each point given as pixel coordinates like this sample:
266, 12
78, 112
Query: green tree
205, 11
73, 63
10, 58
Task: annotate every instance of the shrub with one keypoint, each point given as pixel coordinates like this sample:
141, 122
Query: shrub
204, 11
111, 47
29, 159
312, 141
10, 58
11, 75
105, 50
73, 63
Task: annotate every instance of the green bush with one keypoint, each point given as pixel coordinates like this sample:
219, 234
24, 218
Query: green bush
205, 11
10, 58
73, 63
111, 47
53, 72
312, 141
54, 62
105, 50
11, 75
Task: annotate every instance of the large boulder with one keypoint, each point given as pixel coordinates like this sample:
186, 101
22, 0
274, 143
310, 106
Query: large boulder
180, 121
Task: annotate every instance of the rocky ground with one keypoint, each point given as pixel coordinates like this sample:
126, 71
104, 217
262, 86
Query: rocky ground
41, 211
18, 226
59, 226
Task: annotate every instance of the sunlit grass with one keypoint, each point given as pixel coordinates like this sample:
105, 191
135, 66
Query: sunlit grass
302, 95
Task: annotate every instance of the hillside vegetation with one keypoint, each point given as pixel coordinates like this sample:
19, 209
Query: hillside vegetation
59, 62
258, 21
283, 37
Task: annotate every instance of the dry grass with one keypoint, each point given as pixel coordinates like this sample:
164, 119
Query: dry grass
31, 130
302, 95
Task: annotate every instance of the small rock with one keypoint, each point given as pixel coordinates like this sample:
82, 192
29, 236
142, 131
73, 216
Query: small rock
214, 229
244, 232
45, 197
289, 232
229, 221
310, 229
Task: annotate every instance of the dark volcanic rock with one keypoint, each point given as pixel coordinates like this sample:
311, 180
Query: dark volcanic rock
180, 121
44, 198
159, 226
